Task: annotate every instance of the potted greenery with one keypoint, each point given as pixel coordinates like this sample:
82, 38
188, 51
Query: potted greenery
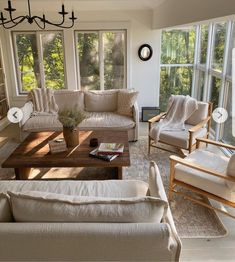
70, 119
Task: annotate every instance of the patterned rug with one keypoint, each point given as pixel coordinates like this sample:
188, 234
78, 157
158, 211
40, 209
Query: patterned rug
191, 220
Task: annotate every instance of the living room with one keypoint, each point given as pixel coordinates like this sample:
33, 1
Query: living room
117, 130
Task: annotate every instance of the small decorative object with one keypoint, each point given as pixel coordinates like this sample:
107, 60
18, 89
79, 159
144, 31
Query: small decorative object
70, 119
57, 145
94, 142
145, 52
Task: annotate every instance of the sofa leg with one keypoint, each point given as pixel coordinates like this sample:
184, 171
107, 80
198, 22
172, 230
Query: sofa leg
149, 145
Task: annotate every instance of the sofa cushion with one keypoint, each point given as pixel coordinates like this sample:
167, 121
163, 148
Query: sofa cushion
202, 180
199, 115
179, 138
49, 207
126, 101
104, 120
101, 101
5, 209
42, 123
69, 99
106, 188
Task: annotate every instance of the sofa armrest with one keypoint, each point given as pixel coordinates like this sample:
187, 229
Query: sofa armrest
136, 112
157, 190
27, 110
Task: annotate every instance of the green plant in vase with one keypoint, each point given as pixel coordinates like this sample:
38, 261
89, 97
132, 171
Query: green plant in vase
70, 119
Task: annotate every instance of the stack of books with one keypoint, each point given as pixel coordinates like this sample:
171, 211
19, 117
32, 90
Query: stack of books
107, 151
57, 145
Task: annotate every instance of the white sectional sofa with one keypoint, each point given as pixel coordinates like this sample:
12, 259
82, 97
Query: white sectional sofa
86, 241
104, 109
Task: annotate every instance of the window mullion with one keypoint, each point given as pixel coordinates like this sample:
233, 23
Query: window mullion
196, 59
101, 60
40, 58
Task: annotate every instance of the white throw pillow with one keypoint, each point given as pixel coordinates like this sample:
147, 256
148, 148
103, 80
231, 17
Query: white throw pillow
35, 206
100, 101
126, 101
5, 209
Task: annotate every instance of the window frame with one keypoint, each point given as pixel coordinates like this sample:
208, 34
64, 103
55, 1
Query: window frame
101, 54
38, 34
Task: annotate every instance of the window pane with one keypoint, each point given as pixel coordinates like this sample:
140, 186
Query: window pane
203, 43
227, 134
219, 43
88, 46
214, 96
201, 82
114, 60
28, 61
232, 45
176, 81
53, 60
178, 46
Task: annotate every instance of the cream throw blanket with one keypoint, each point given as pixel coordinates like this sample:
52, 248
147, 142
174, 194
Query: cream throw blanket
43, 101
180, 108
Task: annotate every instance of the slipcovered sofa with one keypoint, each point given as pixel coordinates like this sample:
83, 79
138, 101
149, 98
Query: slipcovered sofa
108, 239
106, 110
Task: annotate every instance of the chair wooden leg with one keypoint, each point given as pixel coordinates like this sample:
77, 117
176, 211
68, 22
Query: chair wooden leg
171, 186
149, 145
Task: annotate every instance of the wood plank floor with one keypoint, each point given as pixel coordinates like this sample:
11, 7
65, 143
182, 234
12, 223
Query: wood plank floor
219, 249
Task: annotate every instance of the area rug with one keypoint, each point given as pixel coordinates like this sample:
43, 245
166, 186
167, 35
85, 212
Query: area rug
191, 220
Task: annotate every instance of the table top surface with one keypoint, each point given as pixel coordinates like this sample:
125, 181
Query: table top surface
34, 151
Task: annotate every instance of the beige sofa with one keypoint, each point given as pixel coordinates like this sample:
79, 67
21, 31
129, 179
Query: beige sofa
84, 241
102, 107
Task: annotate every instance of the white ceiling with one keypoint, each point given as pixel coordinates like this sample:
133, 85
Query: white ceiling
84, 5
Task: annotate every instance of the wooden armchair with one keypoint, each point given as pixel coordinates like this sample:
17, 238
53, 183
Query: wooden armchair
198, 125
209, 174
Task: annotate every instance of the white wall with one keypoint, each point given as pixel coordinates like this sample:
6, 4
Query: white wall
142, 76
179, 12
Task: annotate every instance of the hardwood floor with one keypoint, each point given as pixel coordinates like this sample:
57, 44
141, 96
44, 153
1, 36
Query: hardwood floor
218, 249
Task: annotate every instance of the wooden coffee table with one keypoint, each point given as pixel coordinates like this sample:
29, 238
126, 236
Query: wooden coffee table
34, 152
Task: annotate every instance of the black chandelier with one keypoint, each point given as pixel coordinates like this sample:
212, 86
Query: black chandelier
40, 21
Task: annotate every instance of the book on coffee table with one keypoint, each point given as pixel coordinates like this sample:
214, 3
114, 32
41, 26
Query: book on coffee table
110, 148
94, 153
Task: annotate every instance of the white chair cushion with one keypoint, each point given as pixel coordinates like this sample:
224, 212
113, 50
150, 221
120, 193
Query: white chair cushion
101, 101
202, 180
107, 120
179, 138
34, 206
231, 172
231, 166
199, 115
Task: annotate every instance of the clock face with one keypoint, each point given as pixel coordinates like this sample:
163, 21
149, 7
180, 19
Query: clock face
220, 115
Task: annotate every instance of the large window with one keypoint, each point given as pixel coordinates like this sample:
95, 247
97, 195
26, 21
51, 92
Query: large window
101, 59
202, 69
177, 60
39, 60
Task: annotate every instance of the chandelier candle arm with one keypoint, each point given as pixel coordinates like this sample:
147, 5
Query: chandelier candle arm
39, 21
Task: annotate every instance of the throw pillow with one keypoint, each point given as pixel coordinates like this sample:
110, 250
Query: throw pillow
5, 209
126, 101
100, 101
35, 206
